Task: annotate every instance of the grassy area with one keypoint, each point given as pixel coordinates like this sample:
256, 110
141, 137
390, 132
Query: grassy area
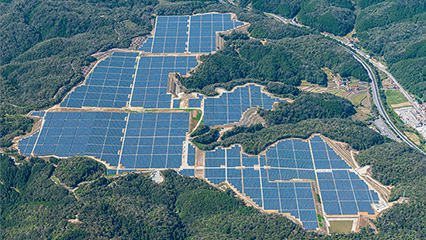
198, 117
413, 137
395, 97
340, 226
55, 179
359, 98
320, 218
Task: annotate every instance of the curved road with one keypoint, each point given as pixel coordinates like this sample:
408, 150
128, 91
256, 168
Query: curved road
378, 101
375, 89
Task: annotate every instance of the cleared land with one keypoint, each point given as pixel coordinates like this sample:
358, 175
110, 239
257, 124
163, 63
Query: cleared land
395, 97
340, 226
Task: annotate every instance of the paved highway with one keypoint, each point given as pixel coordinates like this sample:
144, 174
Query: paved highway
376, 98
413, 102
378, 102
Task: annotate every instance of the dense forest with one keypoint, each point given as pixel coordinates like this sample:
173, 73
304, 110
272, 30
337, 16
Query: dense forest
399, 165
44, 44
132, 206
334, 16
287, 61
32, 206
392, 30
307, 106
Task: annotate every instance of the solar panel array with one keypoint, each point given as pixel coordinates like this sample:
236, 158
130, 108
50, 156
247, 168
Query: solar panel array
176, 103
150, 88
195, 102
191, 155
123, 79
135, 140
344, 193
66, 134
290, 159
230, 106
154, 140
203, 28
37, 114
194, 34
249, 175
268, 179
109, 85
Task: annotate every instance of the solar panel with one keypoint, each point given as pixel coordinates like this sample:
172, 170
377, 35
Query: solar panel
230, 106
150, 89
187, 172
108, 85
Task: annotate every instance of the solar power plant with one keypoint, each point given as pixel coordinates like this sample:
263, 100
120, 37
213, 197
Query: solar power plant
108, 86
195, 34
195, 102
154, 140
268, 180
171, 35
344, 193
150, 87
37, 114
135, 140
203, 28
230, 106
191, 155
66, 134
248, 175
176, 103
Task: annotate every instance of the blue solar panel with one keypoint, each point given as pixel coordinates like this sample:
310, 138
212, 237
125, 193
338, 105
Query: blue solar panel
37, 114
310, 225
253, 193
187, 172
340, 175
270, 193
271, 204
194, 103
249, 161
365, 206
150, 89
304, 193
108, 85
349, 207
229, 107
332, 208
330, 195
173, 32
236, 182
346, 195
191, 155
176, 103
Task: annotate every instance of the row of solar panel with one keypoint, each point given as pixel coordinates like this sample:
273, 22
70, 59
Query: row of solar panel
338, 183
37, 114
157, 137
229, 107
179, 34
117, 87
191, 155
291, 197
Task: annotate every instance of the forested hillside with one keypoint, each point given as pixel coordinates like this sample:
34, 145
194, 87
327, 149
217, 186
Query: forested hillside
396, 30
401, 166
392, 30
335, 16
288, 60
309, 113
32, 206
44, 44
